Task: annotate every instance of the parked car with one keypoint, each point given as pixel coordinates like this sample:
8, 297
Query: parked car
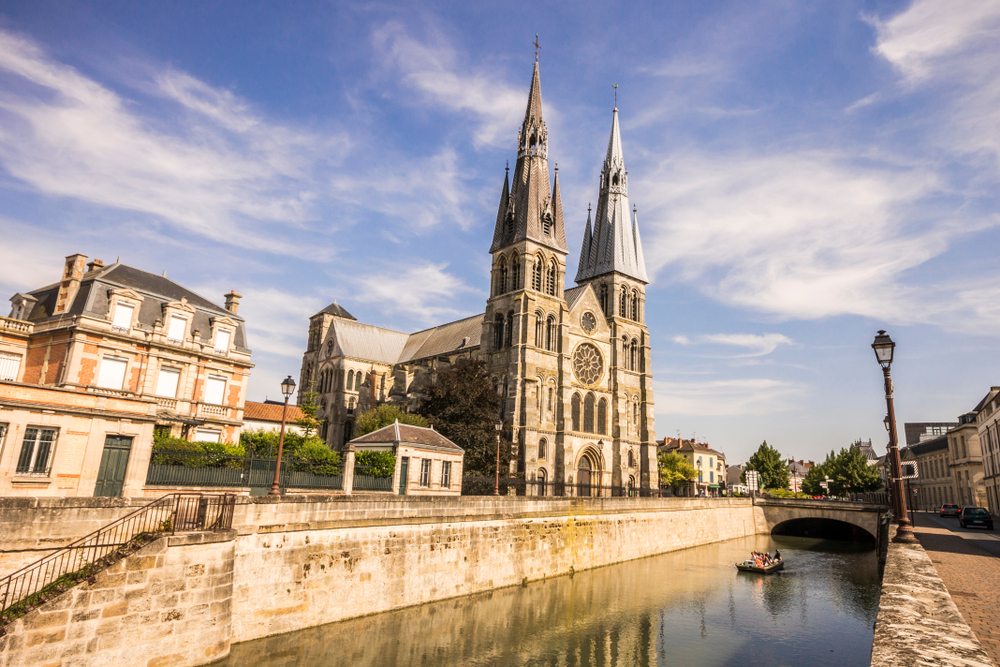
950, 509
975, 516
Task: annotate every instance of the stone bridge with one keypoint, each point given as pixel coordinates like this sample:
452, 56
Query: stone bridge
847, 520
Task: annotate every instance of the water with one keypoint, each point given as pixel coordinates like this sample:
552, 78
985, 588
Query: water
687, 608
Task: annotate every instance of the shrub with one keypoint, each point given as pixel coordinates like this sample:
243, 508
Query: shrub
312, 455
379, 464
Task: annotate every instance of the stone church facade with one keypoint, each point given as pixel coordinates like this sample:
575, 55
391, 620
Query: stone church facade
573, 365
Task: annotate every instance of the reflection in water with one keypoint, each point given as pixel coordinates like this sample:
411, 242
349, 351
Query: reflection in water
687, 608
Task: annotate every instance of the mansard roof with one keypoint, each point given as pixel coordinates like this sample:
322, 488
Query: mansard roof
528, 202
612, 243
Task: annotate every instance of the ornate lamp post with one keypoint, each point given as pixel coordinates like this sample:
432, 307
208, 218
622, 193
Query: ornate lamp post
795, 482
287, 387
498, 425
884, 348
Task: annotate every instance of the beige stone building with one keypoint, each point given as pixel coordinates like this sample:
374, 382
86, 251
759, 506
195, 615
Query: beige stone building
427, 463
988, 429
117, 333
573, 365
710, 464
965, 461
934, 485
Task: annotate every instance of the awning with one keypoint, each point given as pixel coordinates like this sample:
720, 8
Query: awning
713, 486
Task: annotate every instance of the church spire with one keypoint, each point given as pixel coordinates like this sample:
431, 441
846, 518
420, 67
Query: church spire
531, 209
614, 246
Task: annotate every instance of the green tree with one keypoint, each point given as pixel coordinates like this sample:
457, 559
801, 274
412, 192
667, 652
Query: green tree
308, 406
850, 472
376, 463
675, 470
463, 406
384, 415
811, 483
768, 462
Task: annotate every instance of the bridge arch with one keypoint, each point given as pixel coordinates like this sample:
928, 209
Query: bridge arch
856, 522
830, 529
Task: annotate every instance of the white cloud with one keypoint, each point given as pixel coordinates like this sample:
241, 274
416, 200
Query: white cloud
435, 71
426, 293
756, 346
230, 177
718, 398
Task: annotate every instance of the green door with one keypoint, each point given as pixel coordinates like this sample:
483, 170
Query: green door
114, 463
404, 467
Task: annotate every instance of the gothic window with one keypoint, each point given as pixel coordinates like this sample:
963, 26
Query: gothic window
550, 334
635, 306
350, 380
550, 399
509, 331
623, 307
541, 449
624, 361
515, 272
351, 403
550, 279
536, 273
498, 332
547, 223
502, 276
631, 355
602, 417
575, 412
604, 299
510, 222
348, 431
539, 329
635, 410
588, 413
631, 459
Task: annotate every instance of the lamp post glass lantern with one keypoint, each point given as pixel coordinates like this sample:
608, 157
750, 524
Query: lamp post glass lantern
287, 388
884, 349
498, 425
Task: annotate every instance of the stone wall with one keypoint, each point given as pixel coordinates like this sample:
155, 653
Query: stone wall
170, 603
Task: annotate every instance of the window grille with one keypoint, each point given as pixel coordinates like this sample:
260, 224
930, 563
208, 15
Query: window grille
623, 307
536, 274
36, 451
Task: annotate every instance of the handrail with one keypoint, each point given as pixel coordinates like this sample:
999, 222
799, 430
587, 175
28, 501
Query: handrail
83, 559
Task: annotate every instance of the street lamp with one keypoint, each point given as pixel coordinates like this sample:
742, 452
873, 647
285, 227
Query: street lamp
884, 348
287, 387
795, 482
498, 425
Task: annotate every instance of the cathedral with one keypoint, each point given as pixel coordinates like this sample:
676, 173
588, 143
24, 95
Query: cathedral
573, 365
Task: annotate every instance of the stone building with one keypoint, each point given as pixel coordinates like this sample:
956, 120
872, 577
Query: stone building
710, 464
988, 429
933, 485
573, 365
965, 462
128, 337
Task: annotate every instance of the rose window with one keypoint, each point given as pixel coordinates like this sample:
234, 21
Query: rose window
589, 322
588, 364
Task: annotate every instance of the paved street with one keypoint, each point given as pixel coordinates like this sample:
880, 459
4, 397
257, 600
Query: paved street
968, 561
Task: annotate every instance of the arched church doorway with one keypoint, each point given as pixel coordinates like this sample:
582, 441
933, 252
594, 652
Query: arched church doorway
588, 474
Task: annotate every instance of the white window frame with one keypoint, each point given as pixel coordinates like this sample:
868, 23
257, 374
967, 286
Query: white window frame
119, 323
170, 371
30, 467
425, 473
213, 381
446, 474
228, 333
203, 431
171, 331
101, 370
10, 366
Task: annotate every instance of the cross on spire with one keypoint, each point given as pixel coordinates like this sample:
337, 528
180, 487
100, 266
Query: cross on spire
615, 86
537, 46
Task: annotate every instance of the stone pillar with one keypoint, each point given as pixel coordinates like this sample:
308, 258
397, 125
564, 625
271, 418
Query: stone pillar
348, 479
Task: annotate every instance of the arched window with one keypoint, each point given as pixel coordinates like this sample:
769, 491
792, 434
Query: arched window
515, 272
635, 306
498, 332
348, 431
631, 355
550, 279
624, 361
635, 410
539, 329
602, 416
502, 276
550, 400
509, 331
541, 485
575, 412
603, 292
350, 405
541, 449
547, 223
588, 414
631, 459
623, 306
536, 273
550, 334
350, 380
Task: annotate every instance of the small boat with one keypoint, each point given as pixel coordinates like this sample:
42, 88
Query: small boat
750, 566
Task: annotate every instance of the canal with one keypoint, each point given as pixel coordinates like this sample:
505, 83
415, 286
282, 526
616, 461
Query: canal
688, 608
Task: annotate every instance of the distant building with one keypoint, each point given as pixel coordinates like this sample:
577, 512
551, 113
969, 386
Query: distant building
865, 447
917, 432
988, 430
797, 471
427, 463
933, 485
266, 416
710, 464
734, 475
965, 461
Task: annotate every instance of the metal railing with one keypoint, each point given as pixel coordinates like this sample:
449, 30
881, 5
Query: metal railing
208, 469
363, 481
81, 560
512, 486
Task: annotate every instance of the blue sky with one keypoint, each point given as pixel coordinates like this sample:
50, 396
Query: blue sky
805, 174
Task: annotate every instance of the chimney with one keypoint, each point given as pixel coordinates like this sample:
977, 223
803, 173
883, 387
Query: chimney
233, 301
95, 265
70, 283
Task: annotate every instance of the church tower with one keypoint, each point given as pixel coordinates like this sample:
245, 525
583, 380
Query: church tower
611, 262
522, 323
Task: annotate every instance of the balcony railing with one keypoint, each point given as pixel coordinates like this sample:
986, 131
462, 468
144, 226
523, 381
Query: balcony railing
219, 410
167, 403
20, 326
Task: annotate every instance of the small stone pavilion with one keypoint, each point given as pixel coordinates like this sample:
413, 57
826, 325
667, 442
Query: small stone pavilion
427, 463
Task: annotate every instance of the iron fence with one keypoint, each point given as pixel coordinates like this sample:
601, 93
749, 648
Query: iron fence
364, 481
514, 486
206, 469
81, 560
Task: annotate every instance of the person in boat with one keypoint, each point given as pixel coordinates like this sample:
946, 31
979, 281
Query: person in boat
777, 555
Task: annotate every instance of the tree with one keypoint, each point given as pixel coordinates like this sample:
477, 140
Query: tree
811, 483
675, 470
307, 406
384, 415
463, 406
850, 472
768, 462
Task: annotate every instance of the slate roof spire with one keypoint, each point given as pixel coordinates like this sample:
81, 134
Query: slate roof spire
529, 207
614, 245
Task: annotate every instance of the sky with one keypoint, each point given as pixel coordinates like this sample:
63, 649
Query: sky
805, 173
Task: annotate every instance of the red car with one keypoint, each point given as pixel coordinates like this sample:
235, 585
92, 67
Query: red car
950, 509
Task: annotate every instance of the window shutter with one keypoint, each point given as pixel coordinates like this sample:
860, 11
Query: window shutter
214, 390
123, 315
166, 382
222, 340
10, 364
112, 374
207, 435
177, 326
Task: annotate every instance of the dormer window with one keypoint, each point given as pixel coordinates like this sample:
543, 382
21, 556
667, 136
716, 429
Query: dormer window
123, 317
175, 331
222, 339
